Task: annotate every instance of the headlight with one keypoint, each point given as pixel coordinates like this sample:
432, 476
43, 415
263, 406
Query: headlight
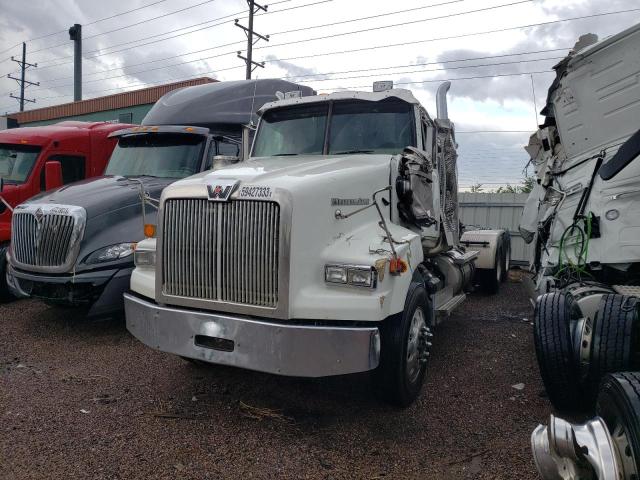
113, 252
144, 258
356, 275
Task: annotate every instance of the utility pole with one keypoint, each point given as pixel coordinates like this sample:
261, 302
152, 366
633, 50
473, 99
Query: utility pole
75, 34
22, 81
248, 60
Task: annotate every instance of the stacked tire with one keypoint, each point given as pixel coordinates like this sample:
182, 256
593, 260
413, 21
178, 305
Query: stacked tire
613, 346
619, 406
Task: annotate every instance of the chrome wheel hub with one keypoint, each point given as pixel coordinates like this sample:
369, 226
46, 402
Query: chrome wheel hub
418, 343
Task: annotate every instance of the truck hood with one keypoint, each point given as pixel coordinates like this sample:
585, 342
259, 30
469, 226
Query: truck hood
294, 172
101, 195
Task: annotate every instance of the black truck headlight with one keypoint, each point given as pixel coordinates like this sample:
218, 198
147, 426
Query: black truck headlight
110, 253
356, 275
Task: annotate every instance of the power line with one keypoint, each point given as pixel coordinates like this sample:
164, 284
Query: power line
335, 35
393, 25
130, 25
452, 37
338, 88
182, 34
413, 42
293, 77
86, 24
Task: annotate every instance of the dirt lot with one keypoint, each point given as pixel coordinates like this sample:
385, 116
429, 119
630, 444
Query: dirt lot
81, 400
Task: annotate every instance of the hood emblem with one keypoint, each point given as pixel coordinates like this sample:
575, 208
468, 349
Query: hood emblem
39, 214
222, 190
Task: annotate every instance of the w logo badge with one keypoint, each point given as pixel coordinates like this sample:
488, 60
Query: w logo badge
220, 192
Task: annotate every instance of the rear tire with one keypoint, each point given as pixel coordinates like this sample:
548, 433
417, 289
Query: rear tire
492, 277
553, 315
615, 339
619, 406
5, 293
506, 257
400, 375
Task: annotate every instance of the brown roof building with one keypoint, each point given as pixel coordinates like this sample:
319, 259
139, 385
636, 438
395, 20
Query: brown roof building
125, 107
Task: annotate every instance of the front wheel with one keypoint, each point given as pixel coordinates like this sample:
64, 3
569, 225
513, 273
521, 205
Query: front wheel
405, 342
5, 293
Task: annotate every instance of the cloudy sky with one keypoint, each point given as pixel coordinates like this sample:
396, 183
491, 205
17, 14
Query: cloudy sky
496, 52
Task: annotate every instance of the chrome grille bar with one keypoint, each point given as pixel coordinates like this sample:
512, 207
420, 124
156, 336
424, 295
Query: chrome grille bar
43, 240
223, 252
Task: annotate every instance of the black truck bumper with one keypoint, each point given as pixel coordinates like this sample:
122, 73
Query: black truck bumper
100, 291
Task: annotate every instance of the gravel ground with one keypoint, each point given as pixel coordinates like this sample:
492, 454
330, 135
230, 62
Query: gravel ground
86, 400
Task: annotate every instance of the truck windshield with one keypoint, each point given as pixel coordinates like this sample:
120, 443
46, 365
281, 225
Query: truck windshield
16, 162
351, 127
165, 155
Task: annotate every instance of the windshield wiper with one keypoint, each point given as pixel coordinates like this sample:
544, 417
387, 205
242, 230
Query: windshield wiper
284, 154
348, 152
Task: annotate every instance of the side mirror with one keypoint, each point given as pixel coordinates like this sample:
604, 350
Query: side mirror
52, 175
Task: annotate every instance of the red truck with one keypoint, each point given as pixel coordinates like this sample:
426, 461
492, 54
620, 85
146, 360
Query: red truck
36, 159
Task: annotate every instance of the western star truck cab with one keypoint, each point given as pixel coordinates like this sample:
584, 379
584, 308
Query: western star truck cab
35, 159
73, 246
334, 249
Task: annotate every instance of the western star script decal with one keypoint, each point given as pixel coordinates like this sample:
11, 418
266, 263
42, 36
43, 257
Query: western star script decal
254, 191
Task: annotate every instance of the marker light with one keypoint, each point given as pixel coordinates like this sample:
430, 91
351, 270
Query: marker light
149, 230
397, 266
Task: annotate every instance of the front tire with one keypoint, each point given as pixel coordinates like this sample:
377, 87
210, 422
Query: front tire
619, 406
5, 293
553, 315
404, 350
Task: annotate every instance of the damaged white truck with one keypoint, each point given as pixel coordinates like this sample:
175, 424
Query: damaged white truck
334, 249
584, 217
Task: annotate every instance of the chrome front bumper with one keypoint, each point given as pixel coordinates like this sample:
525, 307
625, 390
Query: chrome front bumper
254, 344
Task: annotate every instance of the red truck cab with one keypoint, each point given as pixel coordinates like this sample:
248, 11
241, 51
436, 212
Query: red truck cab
81, 149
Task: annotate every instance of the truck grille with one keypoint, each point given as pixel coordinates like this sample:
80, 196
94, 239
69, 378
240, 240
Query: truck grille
41, 239
225, 252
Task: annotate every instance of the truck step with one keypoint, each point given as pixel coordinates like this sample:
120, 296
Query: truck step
445, 309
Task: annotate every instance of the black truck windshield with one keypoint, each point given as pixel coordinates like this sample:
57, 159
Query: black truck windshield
351, 127
165, 155
16, 162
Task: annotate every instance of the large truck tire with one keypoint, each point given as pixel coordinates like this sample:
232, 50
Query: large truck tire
506, 256
404, 350
5, 293
615, 339
553, 315
619, 406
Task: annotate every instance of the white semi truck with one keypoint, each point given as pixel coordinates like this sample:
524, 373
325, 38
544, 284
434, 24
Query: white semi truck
584, 217
334, 249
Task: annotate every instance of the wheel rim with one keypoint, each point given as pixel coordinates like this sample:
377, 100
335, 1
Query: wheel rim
413, 345
625, 453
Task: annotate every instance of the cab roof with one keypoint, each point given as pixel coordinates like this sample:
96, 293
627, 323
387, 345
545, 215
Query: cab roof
58, 131
399, 93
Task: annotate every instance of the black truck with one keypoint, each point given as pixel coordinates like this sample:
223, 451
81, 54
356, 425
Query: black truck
73, 246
